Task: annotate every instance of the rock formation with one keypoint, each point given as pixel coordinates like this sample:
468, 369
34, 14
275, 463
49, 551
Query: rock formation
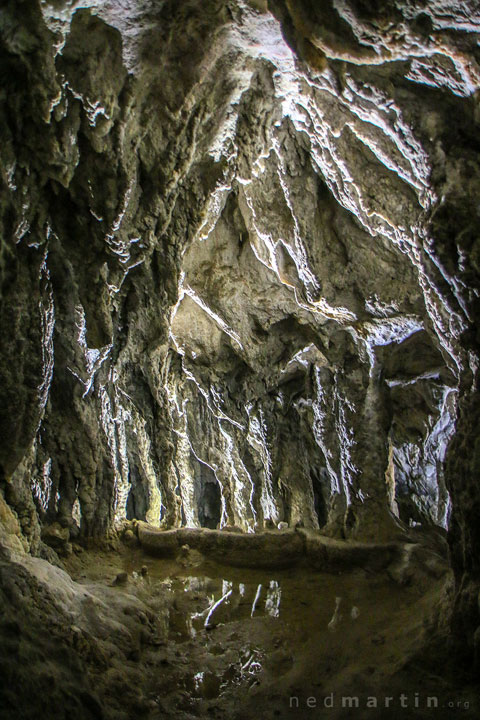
239, 269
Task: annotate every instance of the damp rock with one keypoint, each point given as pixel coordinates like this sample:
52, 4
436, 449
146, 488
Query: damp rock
121, 579
57, 537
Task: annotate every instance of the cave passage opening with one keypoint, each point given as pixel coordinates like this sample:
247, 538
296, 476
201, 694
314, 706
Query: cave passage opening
208, 497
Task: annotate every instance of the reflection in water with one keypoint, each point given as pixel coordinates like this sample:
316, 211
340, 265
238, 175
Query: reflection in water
198, 679
336, 615
221, 602
227, 588
222, 632
233, 601
252, 666
257, 596
272, 603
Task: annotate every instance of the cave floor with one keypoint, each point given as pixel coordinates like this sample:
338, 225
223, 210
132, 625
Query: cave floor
206, 640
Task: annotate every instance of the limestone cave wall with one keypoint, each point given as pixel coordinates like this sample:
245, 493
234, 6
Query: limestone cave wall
239, 267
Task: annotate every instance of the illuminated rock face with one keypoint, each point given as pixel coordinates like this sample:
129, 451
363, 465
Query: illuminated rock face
240, 266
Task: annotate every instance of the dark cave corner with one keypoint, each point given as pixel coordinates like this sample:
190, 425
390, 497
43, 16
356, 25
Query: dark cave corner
207, 496
137, 502
319, 478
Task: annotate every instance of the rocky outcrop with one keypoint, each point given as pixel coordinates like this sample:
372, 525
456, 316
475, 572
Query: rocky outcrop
403, 562
239, 268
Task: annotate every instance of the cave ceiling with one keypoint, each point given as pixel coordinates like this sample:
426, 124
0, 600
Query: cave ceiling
239, 261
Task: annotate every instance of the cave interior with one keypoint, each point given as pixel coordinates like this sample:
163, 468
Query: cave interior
239, 405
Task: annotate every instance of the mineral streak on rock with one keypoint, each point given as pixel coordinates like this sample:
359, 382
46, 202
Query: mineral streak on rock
239, 269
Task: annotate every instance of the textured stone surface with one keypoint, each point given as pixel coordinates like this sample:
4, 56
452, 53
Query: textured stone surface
274, 549
106, 640
239, 268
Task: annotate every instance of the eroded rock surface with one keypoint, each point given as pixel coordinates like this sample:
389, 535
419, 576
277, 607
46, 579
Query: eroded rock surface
239, 268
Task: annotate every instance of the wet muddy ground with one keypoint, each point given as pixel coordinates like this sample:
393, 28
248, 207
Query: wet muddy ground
236, 643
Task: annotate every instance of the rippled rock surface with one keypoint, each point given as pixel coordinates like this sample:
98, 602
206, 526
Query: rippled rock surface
239, 269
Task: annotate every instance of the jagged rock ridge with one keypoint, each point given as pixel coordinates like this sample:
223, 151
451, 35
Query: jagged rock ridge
240, 267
